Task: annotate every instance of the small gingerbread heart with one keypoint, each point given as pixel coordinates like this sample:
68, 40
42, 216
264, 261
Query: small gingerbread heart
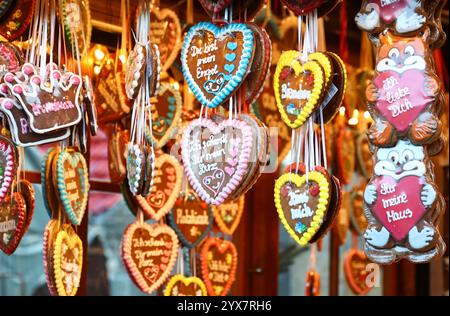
218, 263
179, 285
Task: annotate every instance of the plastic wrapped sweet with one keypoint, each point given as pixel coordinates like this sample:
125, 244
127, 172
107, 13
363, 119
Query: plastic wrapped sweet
404, 98
402, 206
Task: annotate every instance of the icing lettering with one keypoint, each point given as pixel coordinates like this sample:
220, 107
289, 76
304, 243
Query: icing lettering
289, 93
47, 107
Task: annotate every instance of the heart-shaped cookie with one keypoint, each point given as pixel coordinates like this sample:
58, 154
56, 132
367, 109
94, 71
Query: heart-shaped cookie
191, 218
17, 19
179, 285
298, 88
110, 93
165, 31
355, 263
8, 165
216, 157
345, 154
49, 195
303, 7
166, 113
312, 283
216, 60
357, 217
302, 203
135, 70
363, 155
117, 144
73, 184
166, 187
29, 196
242, 9
218, 263
67, 261
13, 215
136, 163
228, 215
149, 253
10, 58
259, 71
49, 238
76, 19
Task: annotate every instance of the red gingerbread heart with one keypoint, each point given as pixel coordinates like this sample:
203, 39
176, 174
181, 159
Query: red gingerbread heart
402, 97
398, 206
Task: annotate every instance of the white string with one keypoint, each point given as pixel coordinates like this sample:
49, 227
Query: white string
324, 148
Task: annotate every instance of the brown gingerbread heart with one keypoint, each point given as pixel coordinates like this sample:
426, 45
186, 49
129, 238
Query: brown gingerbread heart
13, 214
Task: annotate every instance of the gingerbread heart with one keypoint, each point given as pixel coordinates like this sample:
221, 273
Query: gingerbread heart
166, 187
117, 160
363, 155
215, 6
303, 7
17, 19
165, 31
67, 262
355, 263
312, 286
29, 196
179, 285
298, 88
8, 166
218, 262
216, 60
136, 163
345, 152
76, 19
73, 184
10, 58
166, 114
110, 93
216, 157
260, 69
228, 215
191, 218
13, 214
135, 70
357, 217
149, 253
242, 9
48, 241
301, 203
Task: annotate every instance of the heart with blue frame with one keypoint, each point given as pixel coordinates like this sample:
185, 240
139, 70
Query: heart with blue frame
216, 60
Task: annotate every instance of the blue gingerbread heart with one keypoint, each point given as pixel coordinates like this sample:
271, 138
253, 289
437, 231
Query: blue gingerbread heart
213, 86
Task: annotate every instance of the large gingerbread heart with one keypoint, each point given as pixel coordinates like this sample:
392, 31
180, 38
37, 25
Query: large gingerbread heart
228, 215
76, 19
402, 97
73, 184
165, 31
13, 214
216, 60
67, 262
298, 88
216, 157
355, 263
191, 218
398, 205
179, 285
219, 262
302, 203
149, 253
166, 187
166, 114
8, 166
